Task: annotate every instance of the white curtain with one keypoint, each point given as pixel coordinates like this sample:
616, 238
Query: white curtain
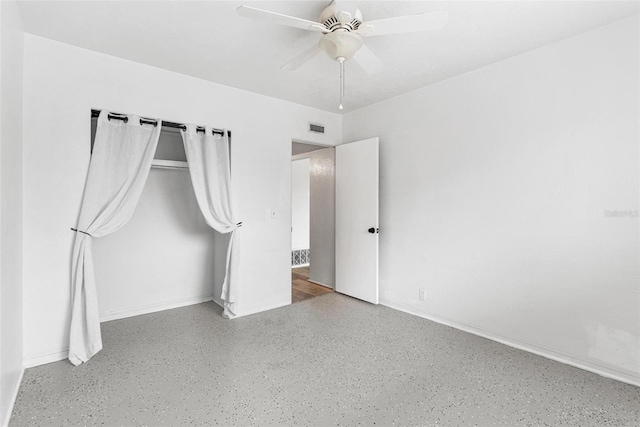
120, 163
210, 170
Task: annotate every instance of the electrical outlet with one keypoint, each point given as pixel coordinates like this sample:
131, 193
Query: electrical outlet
422, 294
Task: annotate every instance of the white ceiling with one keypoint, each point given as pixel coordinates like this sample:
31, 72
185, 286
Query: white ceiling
210, 41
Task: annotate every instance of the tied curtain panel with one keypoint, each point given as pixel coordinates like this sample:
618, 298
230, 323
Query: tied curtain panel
210, 170
122, 154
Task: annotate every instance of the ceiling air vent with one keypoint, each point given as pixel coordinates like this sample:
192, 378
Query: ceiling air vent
313, 127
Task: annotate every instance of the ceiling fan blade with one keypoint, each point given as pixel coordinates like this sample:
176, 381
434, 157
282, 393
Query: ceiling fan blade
299, 60
347, 6
409, 23
358, 15
365, 30
367, 60
320, 28
344, 17
278, 18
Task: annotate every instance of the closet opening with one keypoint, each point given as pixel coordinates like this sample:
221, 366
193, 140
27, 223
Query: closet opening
166, 256
312, 221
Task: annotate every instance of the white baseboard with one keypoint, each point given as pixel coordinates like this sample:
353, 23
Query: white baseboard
559, 356
152, 308
320, 283
55, 356
44, 358
300, 265
6, 416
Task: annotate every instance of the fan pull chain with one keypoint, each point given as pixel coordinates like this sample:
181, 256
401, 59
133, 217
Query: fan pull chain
341, 60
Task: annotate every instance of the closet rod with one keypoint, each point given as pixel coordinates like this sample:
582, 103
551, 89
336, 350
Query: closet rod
118, 116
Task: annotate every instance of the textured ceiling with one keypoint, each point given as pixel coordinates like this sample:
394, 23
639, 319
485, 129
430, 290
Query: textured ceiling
210, 41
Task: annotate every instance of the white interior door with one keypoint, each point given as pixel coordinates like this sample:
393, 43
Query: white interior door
357, 219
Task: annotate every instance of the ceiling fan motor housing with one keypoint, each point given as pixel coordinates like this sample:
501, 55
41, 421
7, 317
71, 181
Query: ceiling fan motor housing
330, 18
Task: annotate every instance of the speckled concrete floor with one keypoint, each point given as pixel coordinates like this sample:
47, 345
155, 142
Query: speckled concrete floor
331, 360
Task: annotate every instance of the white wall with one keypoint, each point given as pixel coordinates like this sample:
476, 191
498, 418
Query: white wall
300, 204
494, 186
323, 214
320, 213
11, 56
61, 84
164, 257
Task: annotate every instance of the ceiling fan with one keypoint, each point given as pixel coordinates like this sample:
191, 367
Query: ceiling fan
343, 31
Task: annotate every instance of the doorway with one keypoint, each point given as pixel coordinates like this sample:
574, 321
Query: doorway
312, 221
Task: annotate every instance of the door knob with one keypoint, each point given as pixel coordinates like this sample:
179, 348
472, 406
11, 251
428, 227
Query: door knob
373, 230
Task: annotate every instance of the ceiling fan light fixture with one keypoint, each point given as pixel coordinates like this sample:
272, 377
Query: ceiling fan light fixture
340, 44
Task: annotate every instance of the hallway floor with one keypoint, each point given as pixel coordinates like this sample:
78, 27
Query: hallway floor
302, 289
330, 360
